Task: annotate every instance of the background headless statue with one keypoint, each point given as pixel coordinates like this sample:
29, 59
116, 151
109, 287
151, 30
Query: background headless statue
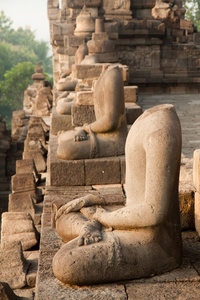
145, 235
107, 135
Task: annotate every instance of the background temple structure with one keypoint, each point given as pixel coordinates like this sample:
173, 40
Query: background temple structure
156, 52
162, 52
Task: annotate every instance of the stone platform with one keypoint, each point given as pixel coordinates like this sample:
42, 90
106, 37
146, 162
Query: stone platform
108, 170
182, 283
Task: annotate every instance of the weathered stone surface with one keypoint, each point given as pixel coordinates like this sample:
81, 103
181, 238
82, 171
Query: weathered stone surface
18, 226
66, 85
133, 111
65, 173
131, 94
81, 3
32, 259
21, 202
109, 189
13, 266
27, 166
109, 57
19, 125
23, 183
85, 23
84, 98
73, 41
39, 159
83, 114
161, 10
196, 38
59, 123
87, 71
43, 100
26, 293
6, 293
81, 53
163, 291
36, 130
101, 46
123, 168
39, 121
102, 171
64, 106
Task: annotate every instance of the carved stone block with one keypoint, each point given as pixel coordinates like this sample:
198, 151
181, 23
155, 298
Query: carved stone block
18, 226
133, 111
131, 94
13, 266
21, 202
60, 122
102, 171
23, 183
83, 114
65, 173
84, 98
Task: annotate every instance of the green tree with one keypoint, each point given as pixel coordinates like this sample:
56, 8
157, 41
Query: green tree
15, 83
193, 11
5, 25
11, 55
21, 46
19, 54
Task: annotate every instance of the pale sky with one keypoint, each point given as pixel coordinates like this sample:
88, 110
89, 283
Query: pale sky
32, 13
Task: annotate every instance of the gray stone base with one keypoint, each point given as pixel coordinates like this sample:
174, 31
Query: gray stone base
108, 170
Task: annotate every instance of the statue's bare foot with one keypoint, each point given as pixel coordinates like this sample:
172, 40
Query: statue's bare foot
80, 135
90, 233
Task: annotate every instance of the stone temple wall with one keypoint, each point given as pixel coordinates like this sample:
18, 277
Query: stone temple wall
161, 51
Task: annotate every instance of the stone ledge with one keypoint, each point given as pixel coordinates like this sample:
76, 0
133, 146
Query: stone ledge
104, 170
85, 113
180, 281
133, 111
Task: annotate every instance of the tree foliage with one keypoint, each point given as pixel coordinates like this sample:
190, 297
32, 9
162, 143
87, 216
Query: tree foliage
19, 54
16, 81
193, 11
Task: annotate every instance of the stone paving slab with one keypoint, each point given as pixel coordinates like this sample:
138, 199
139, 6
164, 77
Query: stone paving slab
188, 110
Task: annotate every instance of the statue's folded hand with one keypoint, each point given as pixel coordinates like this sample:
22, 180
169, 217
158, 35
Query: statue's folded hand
77, 204
72, 206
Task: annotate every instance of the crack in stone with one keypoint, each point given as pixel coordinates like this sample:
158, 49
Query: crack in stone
126, 292
195, 268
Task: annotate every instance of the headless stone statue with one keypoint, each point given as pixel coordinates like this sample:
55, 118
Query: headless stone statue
145, 235
107, 135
